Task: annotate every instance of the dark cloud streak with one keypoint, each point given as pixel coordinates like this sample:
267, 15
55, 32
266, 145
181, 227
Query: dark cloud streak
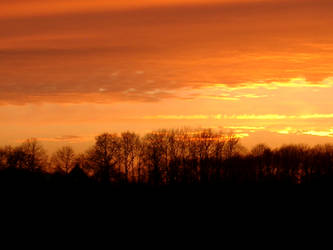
70, 57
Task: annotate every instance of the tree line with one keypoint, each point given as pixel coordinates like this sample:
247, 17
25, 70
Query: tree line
173, 157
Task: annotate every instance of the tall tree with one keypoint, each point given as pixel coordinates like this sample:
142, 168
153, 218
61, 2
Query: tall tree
64, 159
104, 156
155, 152
35, 157
129, 149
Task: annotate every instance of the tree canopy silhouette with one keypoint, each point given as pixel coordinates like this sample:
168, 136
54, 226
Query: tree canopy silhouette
170, 158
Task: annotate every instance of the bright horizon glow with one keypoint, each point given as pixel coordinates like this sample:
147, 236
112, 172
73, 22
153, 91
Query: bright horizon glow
70, 70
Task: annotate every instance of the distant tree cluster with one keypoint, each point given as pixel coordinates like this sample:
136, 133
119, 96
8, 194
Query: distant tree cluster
174, 157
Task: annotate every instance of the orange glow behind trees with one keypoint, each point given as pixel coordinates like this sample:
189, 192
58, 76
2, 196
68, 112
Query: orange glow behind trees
70, 70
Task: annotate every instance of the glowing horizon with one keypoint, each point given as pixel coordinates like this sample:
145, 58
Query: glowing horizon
70, 70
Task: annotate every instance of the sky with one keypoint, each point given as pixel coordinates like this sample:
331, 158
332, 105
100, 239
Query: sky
70, 70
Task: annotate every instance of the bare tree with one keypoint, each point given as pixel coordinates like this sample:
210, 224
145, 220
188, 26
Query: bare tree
155, 152
230, 145
35, 157
259, 150
64, 159
129, 147
104, 156
5, 153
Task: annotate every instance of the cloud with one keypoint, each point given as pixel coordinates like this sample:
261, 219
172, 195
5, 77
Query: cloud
242, 117
321, 133
64, 139
299, 82
177, 117
19, 8
67, 56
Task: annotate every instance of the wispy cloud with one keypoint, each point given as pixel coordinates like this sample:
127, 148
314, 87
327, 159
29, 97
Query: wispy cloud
244, 64
63, 139
66, 51
242, 117
321, 133
292, 83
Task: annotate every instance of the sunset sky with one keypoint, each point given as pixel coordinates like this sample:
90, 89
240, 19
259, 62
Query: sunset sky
71, 69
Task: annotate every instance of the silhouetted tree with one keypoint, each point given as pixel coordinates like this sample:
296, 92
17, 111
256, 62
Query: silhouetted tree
230, 145
104, 157
4, 156
170, 157
35, 157
129, 149
155, 155
64, 159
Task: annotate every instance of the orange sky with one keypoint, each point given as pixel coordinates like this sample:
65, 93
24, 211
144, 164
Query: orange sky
72, 69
